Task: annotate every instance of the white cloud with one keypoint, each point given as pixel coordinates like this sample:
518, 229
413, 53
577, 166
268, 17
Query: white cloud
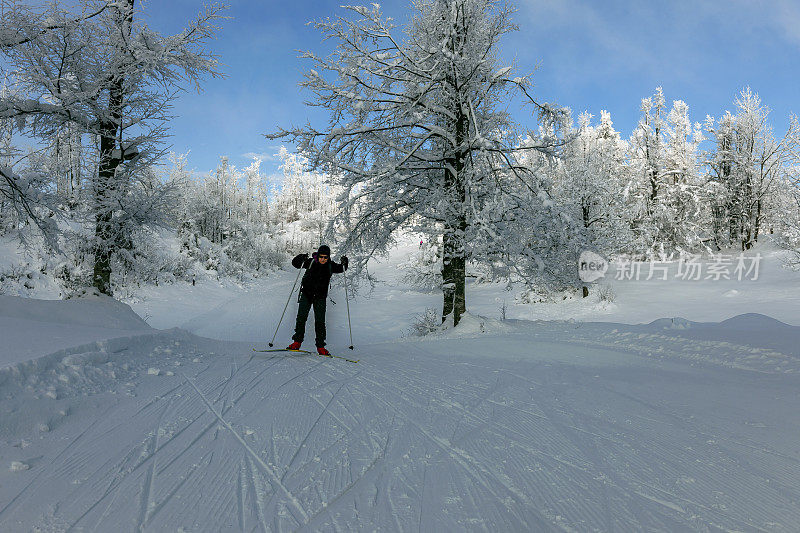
787, 18
262, 156
676, 40
271, 154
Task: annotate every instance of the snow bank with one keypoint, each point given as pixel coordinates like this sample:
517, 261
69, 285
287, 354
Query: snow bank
31, 328
749, 329
89, 310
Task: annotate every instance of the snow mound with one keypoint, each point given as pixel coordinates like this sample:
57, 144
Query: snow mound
773, 352
97, 366
18, 466
671, 323
39, 395
756, 322
33, 328
749, 329
86, 310
471, 325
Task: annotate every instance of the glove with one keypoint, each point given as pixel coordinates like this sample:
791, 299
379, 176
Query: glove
304, 256
344, 261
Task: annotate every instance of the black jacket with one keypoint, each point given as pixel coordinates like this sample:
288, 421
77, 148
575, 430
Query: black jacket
317, 277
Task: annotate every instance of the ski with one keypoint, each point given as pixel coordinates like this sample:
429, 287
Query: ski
283, 350
345, 358
308, 351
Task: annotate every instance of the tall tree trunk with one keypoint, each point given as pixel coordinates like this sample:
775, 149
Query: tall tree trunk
454, 275
110, 159
758, 218
725, 212
104, 233
734, 222
747, 214
653, 187
454, 271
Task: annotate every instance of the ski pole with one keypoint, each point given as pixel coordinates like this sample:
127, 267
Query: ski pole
347, 300
299, 270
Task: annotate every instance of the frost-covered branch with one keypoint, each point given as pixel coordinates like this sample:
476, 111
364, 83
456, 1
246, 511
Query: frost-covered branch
418, 138
106, 75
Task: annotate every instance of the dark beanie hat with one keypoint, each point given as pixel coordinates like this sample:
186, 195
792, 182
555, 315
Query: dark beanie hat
325, 250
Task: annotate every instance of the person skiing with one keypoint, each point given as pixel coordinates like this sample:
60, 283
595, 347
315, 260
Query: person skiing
314, 292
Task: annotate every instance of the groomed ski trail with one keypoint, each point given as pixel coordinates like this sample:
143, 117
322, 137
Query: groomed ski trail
170, 431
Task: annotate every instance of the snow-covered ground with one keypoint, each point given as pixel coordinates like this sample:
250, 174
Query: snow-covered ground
561, 417
32, 328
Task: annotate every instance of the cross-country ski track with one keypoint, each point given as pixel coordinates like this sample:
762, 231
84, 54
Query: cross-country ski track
420, 435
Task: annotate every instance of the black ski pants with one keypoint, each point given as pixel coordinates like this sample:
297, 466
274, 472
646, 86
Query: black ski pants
319, 318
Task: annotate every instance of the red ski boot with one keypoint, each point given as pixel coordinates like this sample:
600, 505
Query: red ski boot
322, 351
294, 346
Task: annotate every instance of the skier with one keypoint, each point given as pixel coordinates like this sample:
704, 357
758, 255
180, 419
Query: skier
314, 292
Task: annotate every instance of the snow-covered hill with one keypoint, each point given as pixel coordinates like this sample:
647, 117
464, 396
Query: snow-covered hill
513, 425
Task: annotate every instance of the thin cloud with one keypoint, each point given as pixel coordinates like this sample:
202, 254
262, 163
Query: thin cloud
682, 40
261, 156
786, 17
609, 33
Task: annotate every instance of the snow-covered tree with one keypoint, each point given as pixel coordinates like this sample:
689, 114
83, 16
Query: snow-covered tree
419, 137
104, 74
686, 217
66, 153
787, 206
227, 220
667, 193
302, 190
254, 194
590, 178
748, 166
25, 195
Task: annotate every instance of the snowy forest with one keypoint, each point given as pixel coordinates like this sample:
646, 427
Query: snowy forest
529, 313
89, 186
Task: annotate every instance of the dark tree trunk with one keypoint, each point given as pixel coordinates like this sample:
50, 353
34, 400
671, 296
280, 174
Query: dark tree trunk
454, 278
652, 169
106, 237
454, 271
757, 223
105, 190
653, 185
722, 212
454, 260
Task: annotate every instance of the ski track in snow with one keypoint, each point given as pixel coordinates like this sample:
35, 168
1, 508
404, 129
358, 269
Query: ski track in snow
418, 436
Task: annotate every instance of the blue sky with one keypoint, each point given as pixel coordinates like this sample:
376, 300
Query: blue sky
587, 55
